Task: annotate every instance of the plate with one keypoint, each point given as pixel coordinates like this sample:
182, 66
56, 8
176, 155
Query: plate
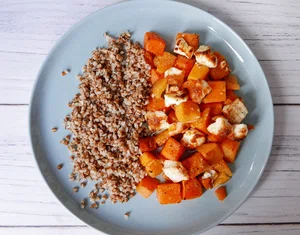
52, 92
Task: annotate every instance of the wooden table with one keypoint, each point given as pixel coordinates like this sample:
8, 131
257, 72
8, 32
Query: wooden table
28, 30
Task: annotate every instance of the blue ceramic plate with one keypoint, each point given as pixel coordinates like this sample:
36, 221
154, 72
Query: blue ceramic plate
52, 92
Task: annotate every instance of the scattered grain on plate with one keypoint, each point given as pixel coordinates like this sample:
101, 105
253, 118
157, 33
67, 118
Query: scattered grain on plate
64, 142
60, 166
102, 190
94, 205
72, 177
54, 129
107, 117
83, 184
104, 197
103, 202
68, 137
72, 158
65, 72
82, 204
75, 189
126, 215
98, 198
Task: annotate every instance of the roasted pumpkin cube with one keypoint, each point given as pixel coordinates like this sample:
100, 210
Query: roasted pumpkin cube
146, 158
215, 108
211, 152
172, 150
222, 167
172, 117
152, 165
221, 193
191, 189
147, 186
198, 72
203, 122
164, 62
195, 165
154, 168
222, 68
191, 38
155, 76
154, 43
156, 104
162, 137
218, 92
214, 138
159, 87
221, 179
149, 59
184, 64
231, 82
147, 144
187, 112
206, 183
230, 149
169, 193
197, 90
231, 95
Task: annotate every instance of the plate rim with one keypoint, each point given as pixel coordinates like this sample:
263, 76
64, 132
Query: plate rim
110, 7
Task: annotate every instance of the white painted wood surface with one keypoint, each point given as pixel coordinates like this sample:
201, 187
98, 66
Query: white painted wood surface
28, 30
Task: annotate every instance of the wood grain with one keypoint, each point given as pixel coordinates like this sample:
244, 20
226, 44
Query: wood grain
224, 230
270, 28
19, 178
29, 29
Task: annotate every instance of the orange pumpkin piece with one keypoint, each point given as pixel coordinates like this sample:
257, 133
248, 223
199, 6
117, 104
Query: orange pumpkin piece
172, 117
222, 69
164, 62
231, 95
152, 165
159, 87
191, 38
174, 76
147, 144
221, 179
203, 122
221, 193
155, 76
230, 149
214, 138
147, 186
168, 193
218, 92
222, 167
215, 108
172, 150
187, 112
154, 43
191, 189
156, 104
206, 183
184, 64
197, 89
196, 165
198, 72
211, 152
149, 59
162, 137
231, 82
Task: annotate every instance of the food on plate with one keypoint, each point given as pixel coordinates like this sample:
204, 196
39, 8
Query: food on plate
141, 113
198, 124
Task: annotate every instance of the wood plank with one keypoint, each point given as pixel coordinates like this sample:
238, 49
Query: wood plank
271, 29
224, 230
19, 177
19, 71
